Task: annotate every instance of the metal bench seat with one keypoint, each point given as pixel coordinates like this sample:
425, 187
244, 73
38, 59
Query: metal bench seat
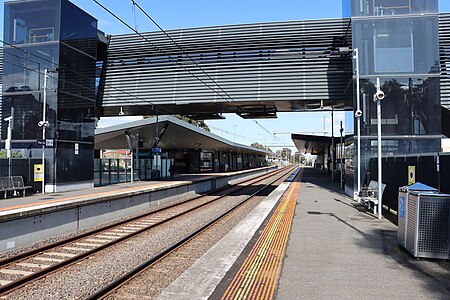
369, 195
13, 184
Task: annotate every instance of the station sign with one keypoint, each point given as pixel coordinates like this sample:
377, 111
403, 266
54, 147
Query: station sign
156, 150
46, 142
38, 172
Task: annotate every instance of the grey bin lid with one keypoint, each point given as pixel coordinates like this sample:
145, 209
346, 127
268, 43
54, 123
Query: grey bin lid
418, 186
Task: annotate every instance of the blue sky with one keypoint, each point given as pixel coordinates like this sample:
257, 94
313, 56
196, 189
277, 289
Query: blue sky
196, 13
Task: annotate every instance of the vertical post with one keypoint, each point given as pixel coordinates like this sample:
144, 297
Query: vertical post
8, 141
132, 162
358, 118
333, 156
44, 126
137, 158
378, 98
341, 130
130, 138
157, 144
438, 169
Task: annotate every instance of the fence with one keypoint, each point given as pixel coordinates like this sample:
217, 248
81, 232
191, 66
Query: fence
396, 172
21, 167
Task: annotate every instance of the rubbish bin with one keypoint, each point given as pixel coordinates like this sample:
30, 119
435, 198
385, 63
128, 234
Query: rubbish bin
428, 225
403, 193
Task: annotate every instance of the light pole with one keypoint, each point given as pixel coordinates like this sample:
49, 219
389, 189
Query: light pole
130, 137
377, 98
341, 130
358, 115
44, 124
8, 141
333, 156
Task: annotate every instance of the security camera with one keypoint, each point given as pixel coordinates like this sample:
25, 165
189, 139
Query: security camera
358, 113
380, 95
42, 123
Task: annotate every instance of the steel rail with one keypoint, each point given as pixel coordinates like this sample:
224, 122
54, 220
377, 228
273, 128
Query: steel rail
21, 256
107, 290
51, 269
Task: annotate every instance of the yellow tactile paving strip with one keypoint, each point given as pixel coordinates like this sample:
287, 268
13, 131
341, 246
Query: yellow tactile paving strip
258, 276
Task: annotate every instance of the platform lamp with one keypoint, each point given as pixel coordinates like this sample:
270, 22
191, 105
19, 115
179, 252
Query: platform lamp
358, 113
44, 123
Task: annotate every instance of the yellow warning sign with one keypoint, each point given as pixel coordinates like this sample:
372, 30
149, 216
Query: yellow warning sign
38, 172
411, 175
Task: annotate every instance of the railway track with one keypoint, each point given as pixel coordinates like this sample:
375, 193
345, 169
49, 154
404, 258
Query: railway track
114, 289
27, 267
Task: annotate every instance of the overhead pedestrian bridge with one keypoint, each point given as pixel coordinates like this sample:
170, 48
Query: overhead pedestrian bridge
254, 70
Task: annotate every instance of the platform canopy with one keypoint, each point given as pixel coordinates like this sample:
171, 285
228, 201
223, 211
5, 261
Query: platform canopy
312, 144
174, 134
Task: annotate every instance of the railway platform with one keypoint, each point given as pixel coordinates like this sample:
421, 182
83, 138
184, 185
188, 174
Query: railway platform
25, 220
317, 244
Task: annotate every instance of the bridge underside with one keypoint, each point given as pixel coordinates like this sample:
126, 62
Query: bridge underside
253, 70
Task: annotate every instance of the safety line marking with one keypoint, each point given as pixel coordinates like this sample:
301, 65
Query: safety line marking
258, 276
169, 184
109, 193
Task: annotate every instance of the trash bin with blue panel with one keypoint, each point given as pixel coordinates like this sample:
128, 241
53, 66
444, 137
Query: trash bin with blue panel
428, 225
402, 214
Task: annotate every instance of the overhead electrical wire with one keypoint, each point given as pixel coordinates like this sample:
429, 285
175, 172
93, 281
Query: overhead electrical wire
28, 53
65, 81
160, 50
232, 134
124, 92
193, 60
174, 60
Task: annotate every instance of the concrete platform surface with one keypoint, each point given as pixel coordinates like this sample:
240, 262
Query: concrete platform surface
26, 220
200, 280
338, 251
21, 206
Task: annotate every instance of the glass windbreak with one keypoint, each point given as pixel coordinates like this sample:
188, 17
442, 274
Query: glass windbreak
23, 69
23, 81
29, 22
27, 115
400, 45
362, 8
411, 106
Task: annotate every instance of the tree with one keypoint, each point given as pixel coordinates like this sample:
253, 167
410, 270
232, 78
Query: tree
260, 146
286, 154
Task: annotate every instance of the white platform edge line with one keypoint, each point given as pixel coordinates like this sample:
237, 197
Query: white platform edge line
201, 279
